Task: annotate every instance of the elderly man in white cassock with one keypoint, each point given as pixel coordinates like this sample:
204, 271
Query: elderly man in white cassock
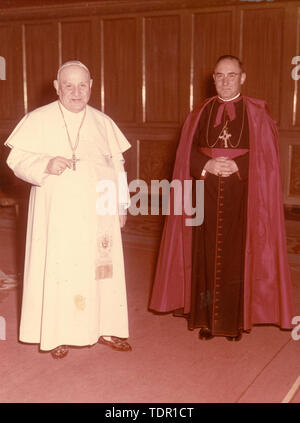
74, 291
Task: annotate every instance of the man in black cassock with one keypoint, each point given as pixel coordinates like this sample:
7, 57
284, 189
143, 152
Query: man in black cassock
217, 273
231, 272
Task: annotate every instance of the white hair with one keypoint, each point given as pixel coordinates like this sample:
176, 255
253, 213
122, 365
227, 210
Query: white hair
72, 63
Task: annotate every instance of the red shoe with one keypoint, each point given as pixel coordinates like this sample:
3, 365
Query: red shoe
119, 344
60, 352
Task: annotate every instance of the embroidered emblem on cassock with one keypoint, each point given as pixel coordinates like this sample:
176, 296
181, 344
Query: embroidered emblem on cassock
104, 266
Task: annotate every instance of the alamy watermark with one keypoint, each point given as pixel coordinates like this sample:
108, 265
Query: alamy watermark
296, 69
296, 331
2, 68
2, 329
161, 201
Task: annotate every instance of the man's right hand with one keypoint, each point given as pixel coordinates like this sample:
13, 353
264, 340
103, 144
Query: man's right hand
58, 165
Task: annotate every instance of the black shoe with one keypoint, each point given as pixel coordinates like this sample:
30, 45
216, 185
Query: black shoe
234, 338
205, 334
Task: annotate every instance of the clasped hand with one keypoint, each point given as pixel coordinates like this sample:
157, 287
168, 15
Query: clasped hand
221, 166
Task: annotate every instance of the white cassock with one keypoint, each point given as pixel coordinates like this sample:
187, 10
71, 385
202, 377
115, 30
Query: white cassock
74, 283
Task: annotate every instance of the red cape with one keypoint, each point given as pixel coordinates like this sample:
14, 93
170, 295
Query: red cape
267, 284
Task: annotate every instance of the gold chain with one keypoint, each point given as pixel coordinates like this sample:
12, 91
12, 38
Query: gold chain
78, 132
207, 128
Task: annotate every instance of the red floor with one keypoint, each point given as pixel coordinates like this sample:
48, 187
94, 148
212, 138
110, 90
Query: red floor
168, 363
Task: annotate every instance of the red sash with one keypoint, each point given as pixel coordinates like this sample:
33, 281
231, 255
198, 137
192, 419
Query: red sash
231, 153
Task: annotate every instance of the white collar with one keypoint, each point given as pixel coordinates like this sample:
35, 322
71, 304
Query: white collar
229, 99
71, 115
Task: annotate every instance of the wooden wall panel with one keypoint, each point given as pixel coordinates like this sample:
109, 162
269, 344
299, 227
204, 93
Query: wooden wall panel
290, 163
41, 59
211, 38
261, 52
76, 42
11, 98
80, 40
287, 84
156, 159
161, 69
120, 69
296, 73
294, 190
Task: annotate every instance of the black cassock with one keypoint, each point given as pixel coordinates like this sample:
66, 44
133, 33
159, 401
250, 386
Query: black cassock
219, 243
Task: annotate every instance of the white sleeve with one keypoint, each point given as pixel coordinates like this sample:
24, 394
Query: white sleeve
123, 191
28, 166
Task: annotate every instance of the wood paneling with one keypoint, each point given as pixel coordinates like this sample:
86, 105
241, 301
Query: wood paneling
76, 42
151, 62
211, 38
287, 84
296, 75
294, 187
261, 52
41, 63
79, 40
290, 162
156, 159
120, 69
161, 69
11, 99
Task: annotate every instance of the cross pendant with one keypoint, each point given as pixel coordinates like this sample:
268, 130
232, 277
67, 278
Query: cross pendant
74, 160
225, 136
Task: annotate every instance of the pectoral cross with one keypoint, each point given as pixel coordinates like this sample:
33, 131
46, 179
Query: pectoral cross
74, 160
225, 136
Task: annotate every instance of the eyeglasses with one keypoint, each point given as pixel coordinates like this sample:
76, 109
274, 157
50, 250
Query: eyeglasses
231, 76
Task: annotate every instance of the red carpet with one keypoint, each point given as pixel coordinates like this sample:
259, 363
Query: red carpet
168, 362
